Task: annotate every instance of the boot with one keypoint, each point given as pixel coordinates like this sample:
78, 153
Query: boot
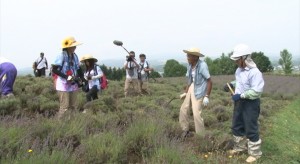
240, 145
254, 151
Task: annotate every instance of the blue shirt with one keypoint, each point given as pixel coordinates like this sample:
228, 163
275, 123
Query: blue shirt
68, 66
200, 79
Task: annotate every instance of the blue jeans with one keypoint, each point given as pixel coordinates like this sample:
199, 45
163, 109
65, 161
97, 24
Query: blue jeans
245, 119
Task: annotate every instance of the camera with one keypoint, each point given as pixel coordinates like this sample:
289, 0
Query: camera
77, 81
129, 58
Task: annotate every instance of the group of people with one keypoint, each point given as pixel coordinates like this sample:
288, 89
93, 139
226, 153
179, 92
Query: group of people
137, 74
69, 75
248, 86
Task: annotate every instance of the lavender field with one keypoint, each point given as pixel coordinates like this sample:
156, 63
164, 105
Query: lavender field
138, 129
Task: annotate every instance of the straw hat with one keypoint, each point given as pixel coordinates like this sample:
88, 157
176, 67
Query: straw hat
193, 51
69, 42
86, 57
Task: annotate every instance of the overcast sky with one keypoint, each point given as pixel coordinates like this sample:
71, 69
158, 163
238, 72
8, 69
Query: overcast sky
159, 28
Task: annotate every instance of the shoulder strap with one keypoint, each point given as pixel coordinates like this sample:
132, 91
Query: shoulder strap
95, 69
40, 61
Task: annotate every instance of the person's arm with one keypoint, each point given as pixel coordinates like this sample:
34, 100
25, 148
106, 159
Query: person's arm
209, 86
99, 75
46, 63
55, 69
126, 65
136, 64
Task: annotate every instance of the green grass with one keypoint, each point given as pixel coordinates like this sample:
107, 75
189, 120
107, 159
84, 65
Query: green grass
282, 141
140, 129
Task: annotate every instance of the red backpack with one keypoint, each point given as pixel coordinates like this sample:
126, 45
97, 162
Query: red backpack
103, 80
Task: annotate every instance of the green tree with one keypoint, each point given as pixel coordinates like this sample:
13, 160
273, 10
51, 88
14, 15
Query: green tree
172, 68
286, 61
221, 66
212, 67
226, 65
262, 62
154, 74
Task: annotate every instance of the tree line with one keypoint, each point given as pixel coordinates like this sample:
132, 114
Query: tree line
219, 66
114, 73
225, 66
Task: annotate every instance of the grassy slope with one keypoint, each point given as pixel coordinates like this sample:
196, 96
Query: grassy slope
282, 141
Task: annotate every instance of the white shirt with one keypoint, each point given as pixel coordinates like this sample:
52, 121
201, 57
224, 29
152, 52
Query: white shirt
131, 71
248, 78
144, 65
42, 64
95, 78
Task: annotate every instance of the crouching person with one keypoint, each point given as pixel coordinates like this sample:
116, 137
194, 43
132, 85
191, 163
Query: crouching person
67, 67
248, 88
92, 74
8, 74
197, 92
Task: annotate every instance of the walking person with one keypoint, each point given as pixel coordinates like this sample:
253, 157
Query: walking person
143, 74
8, 74
41, 65
197, 91
92, 74
131, 66
249, 85
70, 75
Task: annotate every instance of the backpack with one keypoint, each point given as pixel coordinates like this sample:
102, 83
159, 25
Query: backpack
103, 80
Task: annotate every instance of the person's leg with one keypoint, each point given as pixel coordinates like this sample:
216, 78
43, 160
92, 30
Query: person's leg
126, 87
145, 86
238, 130
135, 85
184, 112
94, 92
39, 73
63, 103
251, 114
197, 109
73, 100
43, 71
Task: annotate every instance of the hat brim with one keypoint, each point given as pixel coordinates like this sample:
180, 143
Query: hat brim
96, 60
193, 53
73, 45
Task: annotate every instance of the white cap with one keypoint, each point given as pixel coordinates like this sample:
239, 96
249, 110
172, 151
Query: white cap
240, 50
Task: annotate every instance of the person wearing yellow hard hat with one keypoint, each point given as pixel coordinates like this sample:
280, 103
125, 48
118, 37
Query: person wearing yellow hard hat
70, 75
249, 85
197, 91
92, 74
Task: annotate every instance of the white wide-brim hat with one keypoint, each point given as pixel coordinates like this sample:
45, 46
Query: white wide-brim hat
86, 57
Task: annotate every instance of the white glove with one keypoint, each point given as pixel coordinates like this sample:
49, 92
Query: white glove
182, 96
205, 101
69, 78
